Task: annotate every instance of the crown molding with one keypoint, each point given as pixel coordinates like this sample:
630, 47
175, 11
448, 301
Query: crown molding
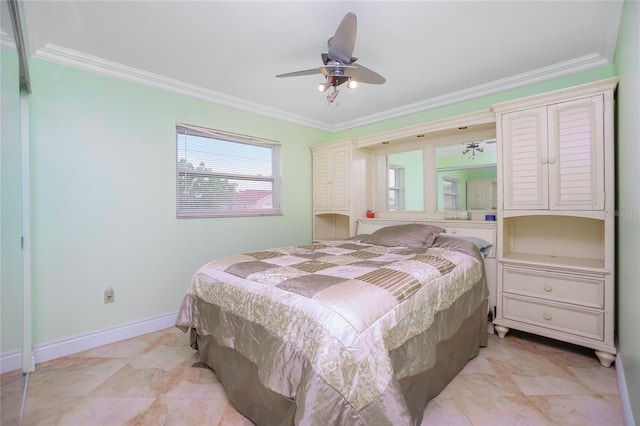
74, 59
567, 93
7, 41
93, 64
577, 65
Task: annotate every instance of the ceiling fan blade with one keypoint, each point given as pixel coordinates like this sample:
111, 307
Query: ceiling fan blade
342, 43
298, 73
364, 75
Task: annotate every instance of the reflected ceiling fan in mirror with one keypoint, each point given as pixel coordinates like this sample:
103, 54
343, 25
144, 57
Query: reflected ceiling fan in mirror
339, 65
472, 148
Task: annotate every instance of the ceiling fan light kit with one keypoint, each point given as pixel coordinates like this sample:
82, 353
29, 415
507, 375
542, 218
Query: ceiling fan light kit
339, 65
473, 148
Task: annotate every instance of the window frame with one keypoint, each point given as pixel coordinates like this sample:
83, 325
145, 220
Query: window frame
450, 198
201, 171
397, 189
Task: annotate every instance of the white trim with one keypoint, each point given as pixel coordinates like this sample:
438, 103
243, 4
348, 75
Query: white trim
93, 64
625, 404
74, 59
7, 41
565, 94
485, 116
45, 352
573, 66
10, 361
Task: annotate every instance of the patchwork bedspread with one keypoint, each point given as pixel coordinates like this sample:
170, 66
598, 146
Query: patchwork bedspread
345, 305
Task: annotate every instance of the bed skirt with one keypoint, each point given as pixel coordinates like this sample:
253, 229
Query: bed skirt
403, 402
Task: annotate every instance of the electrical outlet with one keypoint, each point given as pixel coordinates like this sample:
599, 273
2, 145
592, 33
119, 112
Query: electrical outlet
109, 295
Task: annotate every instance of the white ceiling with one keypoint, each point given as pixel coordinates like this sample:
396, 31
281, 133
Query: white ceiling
431, 53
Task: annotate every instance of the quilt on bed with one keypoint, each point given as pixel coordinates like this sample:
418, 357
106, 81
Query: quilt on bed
345, 305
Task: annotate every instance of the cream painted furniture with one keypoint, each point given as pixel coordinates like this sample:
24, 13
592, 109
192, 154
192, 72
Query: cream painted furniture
465, 228
481, 194
339, 173
556, 216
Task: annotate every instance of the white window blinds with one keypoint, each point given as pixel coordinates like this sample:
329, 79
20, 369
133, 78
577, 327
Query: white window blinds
224, 174
450, 193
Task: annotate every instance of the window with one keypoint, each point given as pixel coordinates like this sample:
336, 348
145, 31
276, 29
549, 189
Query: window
404, 180
450, 193
396, 187
224, 174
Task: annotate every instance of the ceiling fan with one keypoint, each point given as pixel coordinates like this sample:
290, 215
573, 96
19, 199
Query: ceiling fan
472, 147
339, 65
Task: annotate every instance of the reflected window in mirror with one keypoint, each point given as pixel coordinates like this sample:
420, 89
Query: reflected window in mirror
405, 181
471, 168
450, 193
396, 187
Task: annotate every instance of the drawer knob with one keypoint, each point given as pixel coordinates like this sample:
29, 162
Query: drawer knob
547, 316
548, 287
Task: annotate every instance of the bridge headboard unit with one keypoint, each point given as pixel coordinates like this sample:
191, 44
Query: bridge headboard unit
462, 228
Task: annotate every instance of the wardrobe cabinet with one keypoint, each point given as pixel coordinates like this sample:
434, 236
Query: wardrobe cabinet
556, 218
555, 156
331, 178
339, 173
481, 194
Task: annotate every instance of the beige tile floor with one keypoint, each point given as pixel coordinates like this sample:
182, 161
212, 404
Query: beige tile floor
151, 380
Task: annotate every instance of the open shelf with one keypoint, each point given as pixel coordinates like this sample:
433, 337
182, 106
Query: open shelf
330, 226
556, 262
555, 241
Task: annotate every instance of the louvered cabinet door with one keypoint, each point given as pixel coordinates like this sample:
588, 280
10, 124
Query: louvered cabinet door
340, 178
331, 178
576, 155
525, 176
321, 181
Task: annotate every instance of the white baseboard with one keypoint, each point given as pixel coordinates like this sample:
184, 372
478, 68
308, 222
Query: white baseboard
625, 404
10, 361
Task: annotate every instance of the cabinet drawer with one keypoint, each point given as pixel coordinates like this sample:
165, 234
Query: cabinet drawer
550, 286
565, 318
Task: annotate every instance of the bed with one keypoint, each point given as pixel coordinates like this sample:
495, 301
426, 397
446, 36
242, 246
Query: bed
355, 332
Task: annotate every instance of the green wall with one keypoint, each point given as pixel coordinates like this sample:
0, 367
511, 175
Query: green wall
103, 199
627, 63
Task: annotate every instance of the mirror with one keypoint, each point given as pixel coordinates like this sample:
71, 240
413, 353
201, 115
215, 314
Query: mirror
466, 176
405, 181
450, 170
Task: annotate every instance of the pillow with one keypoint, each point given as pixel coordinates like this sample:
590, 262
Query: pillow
483, 246
411, 235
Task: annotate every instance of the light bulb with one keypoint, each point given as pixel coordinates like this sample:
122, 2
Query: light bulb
322, 87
